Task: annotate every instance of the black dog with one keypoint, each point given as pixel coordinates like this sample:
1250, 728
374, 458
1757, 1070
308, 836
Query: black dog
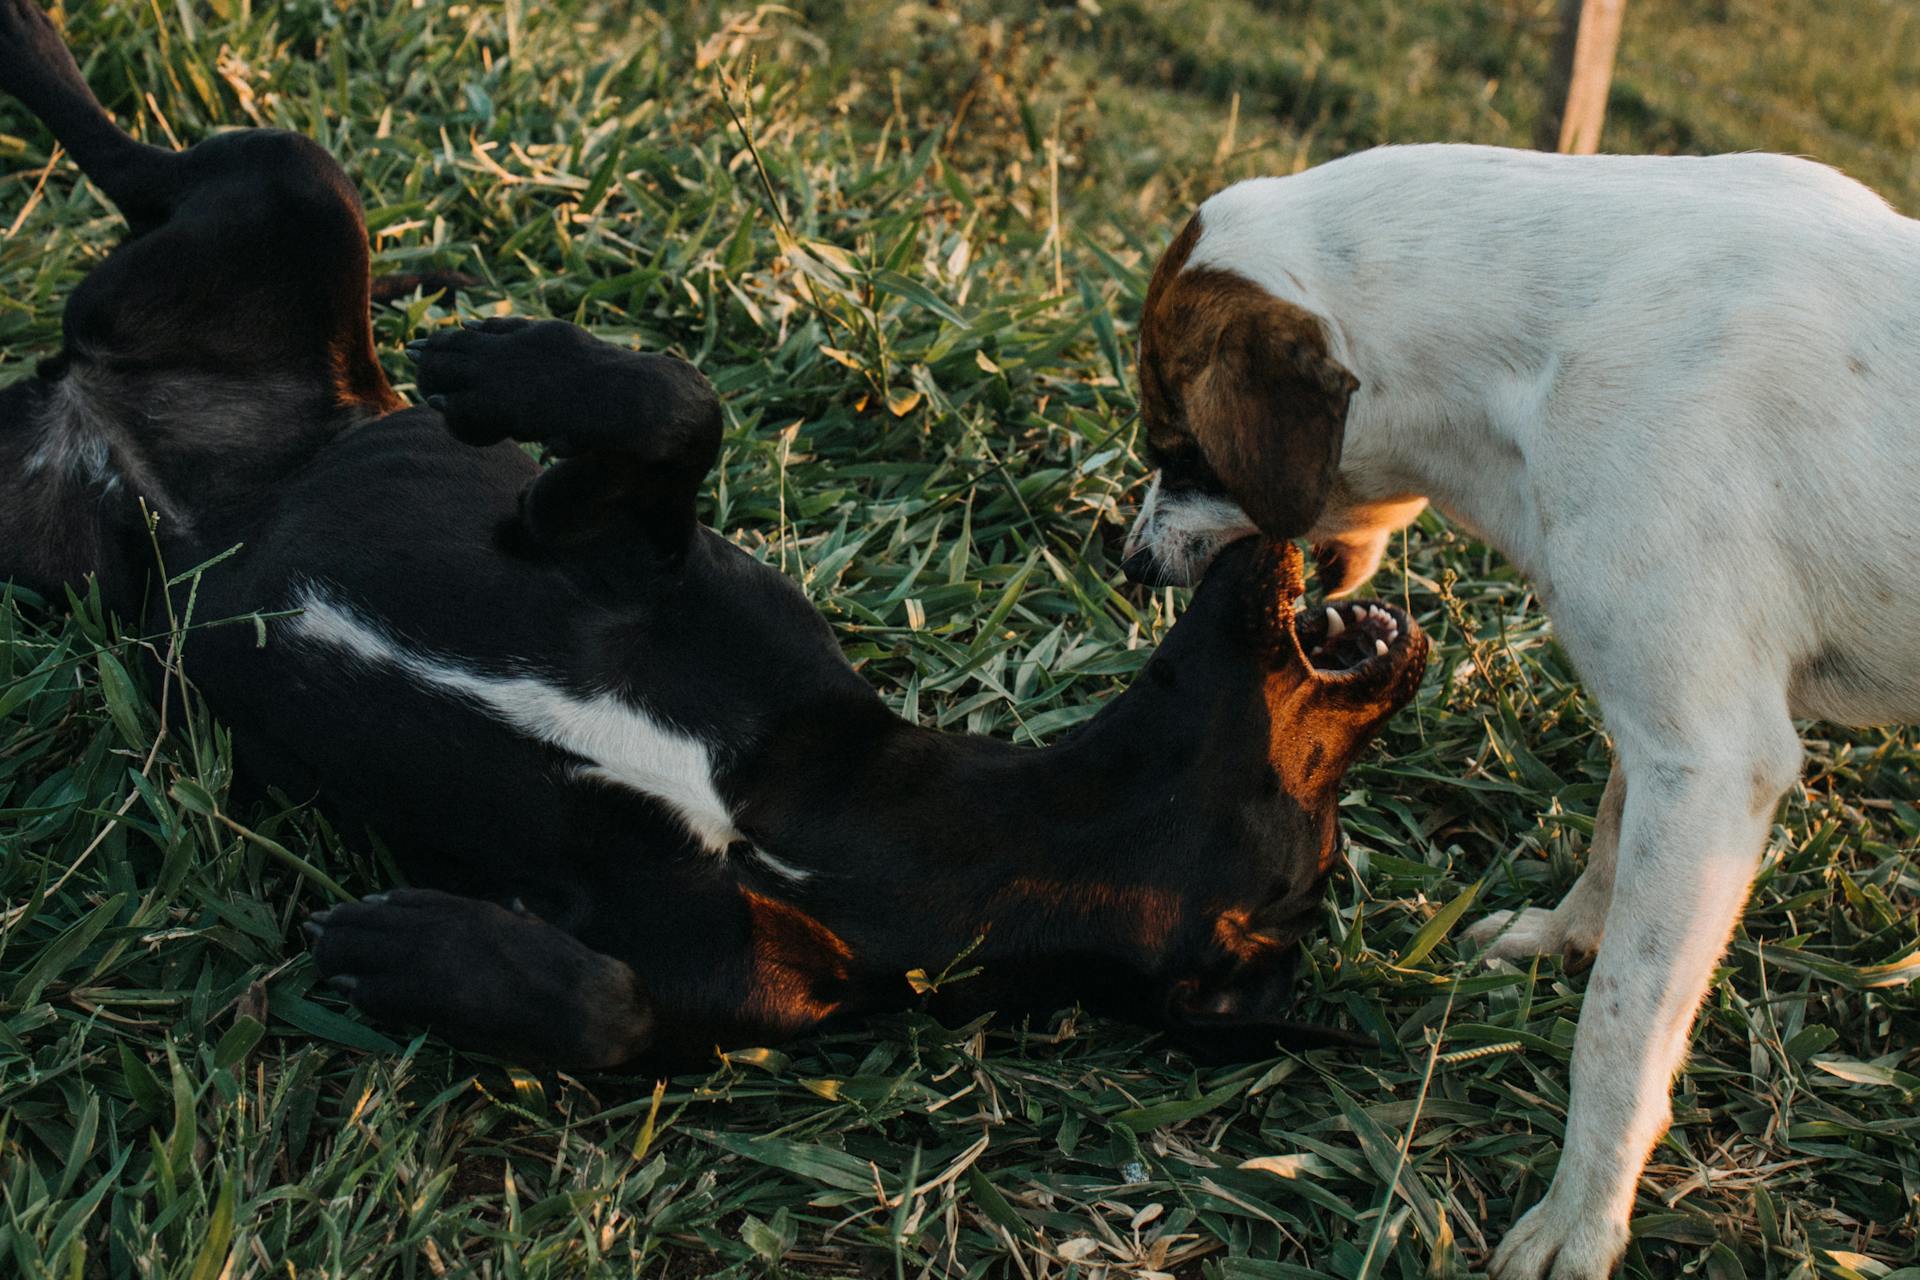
659, 809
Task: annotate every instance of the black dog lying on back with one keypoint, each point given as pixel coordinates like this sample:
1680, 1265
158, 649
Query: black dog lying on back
659, 809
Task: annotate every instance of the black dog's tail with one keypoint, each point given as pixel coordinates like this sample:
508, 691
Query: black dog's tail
36, 68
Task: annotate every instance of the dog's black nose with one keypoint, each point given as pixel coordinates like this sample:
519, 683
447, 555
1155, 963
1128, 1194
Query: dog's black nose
1144, 567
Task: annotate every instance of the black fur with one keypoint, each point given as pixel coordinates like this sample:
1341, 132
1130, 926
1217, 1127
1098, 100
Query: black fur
1160, 864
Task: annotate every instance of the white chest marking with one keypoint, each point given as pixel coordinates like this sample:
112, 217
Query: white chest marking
622, 743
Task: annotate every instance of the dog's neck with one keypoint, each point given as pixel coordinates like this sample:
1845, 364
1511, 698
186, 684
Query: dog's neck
1075, 856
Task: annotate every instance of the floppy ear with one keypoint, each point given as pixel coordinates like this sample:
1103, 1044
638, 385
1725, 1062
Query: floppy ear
1269, 411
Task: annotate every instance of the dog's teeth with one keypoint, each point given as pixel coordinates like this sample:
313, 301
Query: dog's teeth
1380, 648
1335, 625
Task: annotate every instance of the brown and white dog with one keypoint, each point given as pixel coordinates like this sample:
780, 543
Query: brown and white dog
1645, 380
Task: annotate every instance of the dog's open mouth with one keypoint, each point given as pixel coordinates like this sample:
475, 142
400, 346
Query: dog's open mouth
1350, 634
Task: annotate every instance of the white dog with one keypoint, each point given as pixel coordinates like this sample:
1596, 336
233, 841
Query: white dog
1683, 396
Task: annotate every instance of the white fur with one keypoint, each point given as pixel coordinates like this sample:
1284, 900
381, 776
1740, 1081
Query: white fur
1184, 536
75, 436
626, 746
1678, 393
799, 875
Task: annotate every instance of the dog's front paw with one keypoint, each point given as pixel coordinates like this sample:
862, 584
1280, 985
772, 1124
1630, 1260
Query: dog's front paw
1556, 1241
496, 379
555, 384
27, 32
484, 976
1534, 931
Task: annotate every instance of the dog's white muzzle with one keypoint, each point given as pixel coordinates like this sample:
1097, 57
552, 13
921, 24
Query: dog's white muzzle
1178, 533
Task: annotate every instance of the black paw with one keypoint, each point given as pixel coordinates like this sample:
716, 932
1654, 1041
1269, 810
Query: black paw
553, 383
476, 375
27, 34
485, 977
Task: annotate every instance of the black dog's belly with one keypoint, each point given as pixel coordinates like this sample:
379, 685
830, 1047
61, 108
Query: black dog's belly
408, 526
400, 527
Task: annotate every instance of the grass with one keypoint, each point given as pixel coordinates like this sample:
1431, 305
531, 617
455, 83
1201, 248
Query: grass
915, 289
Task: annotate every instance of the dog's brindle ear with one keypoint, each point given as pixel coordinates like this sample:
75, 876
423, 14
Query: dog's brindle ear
1269, 408
1245, 380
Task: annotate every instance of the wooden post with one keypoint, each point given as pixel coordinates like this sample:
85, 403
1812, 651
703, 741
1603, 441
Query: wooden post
1580, 75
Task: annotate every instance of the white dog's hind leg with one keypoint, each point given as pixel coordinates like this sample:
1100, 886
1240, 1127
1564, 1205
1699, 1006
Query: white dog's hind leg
1691, 834
1574, 928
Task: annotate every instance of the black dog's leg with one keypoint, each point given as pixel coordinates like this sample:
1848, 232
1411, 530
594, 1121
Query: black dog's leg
635, 432
484, 977
36, 68
247, 272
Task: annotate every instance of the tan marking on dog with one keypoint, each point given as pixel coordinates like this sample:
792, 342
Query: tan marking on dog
1142, 914
796, 963
618, 1026
1234, 933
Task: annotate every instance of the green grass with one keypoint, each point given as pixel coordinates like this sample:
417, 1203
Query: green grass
922, 334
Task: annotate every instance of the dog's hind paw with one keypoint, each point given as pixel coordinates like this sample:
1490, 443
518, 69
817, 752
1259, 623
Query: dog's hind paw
1534, 931
484, 976
1554, 1241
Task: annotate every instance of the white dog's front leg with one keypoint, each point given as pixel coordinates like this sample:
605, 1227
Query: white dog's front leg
1691, 834
1574, 928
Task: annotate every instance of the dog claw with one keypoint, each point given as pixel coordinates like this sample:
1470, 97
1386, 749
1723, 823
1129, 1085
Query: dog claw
374, 899
416, 349
437, 402
311, 929
343, 982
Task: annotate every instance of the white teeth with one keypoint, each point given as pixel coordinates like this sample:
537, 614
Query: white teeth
1334, 624
1380, 648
